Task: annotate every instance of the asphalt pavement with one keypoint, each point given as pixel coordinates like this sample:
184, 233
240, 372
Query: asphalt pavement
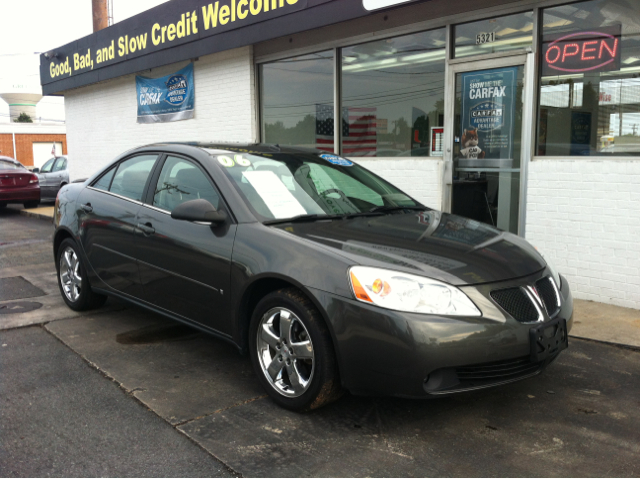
123, 392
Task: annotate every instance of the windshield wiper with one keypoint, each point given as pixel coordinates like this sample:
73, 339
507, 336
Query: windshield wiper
388, 209
303, 219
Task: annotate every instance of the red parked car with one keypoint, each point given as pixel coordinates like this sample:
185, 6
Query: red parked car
17, 184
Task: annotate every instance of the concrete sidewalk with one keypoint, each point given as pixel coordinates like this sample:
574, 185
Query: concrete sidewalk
593, 321
43, 212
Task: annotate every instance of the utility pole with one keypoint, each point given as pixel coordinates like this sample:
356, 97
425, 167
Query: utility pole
100, 14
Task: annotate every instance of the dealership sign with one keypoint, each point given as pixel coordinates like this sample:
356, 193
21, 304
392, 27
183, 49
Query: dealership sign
595, 50
170, 98
187, 29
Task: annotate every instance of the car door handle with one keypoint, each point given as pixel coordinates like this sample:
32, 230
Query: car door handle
146, 228
88, 208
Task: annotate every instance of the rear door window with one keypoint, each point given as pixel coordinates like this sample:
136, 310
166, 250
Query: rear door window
105, 180
131, 176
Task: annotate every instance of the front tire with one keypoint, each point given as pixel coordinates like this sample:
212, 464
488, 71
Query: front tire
30, 204
73, 281
292, 352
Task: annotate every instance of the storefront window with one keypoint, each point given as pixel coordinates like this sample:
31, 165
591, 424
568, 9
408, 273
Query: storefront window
393, 95
297, 101
589, 102
511, 32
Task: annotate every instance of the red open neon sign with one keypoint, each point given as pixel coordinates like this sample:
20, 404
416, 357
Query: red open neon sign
597, 50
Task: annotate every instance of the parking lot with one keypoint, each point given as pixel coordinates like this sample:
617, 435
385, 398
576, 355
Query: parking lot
120, 391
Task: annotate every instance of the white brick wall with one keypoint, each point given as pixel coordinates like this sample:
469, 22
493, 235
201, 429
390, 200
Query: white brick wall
585, 216
420, 178
101, 118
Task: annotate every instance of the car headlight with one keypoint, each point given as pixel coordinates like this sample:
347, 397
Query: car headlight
406, 292
554, 273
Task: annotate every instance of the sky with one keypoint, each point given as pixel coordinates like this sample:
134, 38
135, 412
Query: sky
29, 27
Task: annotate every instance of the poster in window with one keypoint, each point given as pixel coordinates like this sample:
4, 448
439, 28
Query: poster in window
580, 132
488, 113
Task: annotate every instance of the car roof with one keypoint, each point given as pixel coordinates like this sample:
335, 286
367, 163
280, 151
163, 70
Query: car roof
218, 147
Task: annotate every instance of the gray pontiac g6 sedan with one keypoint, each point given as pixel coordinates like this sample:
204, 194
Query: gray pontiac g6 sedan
328, 276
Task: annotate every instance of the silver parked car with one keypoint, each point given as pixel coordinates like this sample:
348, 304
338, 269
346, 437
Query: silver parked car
53, 175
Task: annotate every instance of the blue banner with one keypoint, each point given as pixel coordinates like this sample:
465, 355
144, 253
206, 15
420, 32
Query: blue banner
488, 111
169, 98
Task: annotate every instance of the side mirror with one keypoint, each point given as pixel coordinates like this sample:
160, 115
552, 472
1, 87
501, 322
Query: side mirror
36, 170
198, 210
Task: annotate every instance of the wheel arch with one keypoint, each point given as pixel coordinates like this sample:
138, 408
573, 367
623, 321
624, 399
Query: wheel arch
60, 235
263, 285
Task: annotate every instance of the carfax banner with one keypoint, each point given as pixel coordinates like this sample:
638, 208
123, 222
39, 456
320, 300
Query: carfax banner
488, 110
170, 98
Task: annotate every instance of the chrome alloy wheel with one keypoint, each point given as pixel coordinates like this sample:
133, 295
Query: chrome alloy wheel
70, 278
285, 352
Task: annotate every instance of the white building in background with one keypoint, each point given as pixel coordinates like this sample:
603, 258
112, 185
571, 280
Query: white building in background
21, 91
518, 113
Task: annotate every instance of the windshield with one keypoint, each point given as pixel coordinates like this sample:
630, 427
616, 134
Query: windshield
286, 185
10, 165
46, 168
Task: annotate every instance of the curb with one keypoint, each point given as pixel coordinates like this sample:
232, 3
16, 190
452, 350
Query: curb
608, 343
40, 216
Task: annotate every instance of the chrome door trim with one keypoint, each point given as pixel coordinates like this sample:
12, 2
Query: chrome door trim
116, 195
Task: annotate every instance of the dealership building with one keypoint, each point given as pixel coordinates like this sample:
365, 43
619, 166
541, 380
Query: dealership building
520, 114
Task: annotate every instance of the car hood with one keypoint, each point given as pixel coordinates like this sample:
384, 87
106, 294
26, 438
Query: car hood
437, 245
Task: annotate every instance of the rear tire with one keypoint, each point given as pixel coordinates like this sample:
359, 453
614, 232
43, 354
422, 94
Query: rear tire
31, 204
73, 280
292, 351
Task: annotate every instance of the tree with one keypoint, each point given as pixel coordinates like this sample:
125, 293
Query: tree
23, 118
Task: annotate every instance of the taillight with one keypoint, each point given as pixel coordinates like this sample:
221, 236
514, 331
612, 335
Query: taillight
34, 179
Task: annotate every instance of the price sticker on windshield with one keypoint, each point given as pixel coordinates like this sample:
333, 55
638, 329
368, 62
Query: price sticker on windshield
226, 161
336, 160
229, 162
241, 160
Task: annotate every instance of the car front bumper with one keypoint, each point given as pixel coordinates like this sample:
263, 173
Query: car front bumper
386, 352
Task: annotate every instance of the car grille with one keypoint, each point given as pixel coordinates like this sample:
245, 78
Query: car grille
463, 378
548, 295
495, 372
517, 303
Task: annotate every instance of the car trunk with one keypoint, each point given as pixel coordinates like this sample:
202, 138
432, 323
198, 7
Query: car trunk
14, 179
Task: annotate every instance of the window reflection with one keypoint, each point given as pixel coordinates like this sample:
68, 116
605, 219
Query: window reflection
297, 101
596, 111
511, 32
393, 94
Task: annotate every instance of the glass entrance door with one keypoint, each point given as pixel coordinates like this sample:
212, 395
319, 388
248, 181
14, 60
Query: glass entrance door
484, 176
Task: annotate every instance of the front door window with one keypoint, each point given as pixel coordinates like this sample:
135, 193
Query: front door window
487, 145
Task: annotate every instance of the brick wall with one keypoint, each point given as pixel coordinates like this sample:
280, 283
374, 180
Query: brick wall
24, 145
101, 118
420, 178
585, 217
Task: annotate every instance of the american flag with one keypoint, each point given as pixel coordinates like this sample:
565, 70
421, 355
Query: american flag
360, 137
324, 127
359, 134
